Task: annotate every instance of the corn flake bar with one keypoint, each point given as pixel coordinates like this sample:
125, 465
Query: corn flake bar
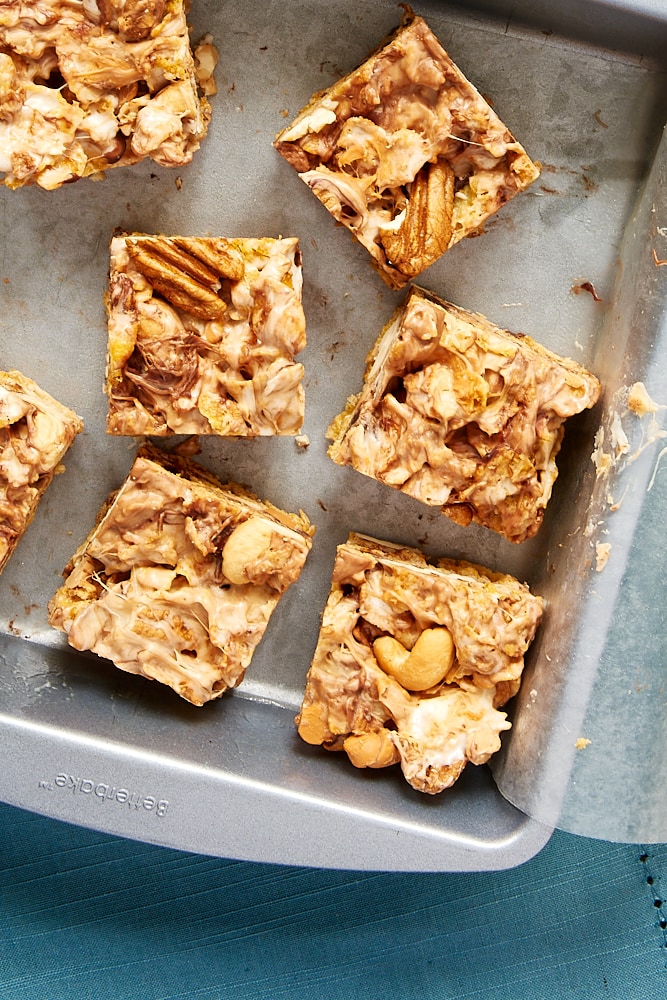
35, 432
203, 335
406, 153
415, 660
90, 84
462, 415
178, 579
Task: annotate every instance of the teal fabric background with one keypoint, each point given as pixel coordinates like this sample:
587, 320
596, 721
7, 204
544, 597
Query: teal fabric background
88, 915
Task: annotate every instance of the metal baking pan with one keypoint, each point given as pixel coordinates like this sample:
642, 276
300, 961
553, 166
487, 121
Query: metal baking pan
583, 88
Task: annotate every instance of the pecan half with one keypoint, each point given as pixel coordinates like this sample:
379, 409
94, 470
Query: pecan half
426, 229
224, 259
178, 277
179, 256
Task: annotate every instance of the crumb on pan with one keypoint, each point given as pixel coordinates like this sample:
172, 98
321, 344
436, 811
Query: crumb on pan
602, 553
640, 402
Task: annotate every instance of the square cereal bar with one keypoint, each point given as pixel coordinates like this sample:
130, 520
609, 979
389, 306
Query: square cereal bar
414, 661
178, 579
35, 432
462, 415
406, 153
87, 86
203, 334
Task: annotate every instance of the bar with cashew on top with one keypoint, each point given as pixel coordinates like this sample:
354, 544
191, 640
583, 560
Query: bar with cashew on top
406, 153
415, 661
178, 579
85, 86
203, 334
462, 415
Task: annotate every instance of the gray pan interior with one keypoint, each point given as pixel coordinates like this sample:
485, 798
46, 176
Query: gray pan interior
584, 89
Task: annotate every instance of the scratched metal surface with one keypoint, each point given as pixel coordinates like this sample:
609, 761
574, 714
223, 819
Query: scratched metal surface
83, 741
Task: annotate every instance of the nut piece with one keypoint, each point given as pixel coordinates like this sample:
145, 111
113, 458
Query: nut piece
172, 250
206, 58
246, 545
220, 257
176, 283
426, 665
372, 749
312, 724
426, 229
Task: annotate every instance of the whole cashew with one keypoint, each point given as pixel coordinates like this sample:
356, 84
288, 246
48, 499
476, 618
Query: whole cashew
372, 749
428, 663
312, 725
247, 543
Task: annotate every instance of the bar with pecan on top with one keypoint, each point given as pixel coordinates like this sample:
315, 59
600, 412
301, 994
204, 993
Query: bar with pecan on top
406, 153
203, 334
